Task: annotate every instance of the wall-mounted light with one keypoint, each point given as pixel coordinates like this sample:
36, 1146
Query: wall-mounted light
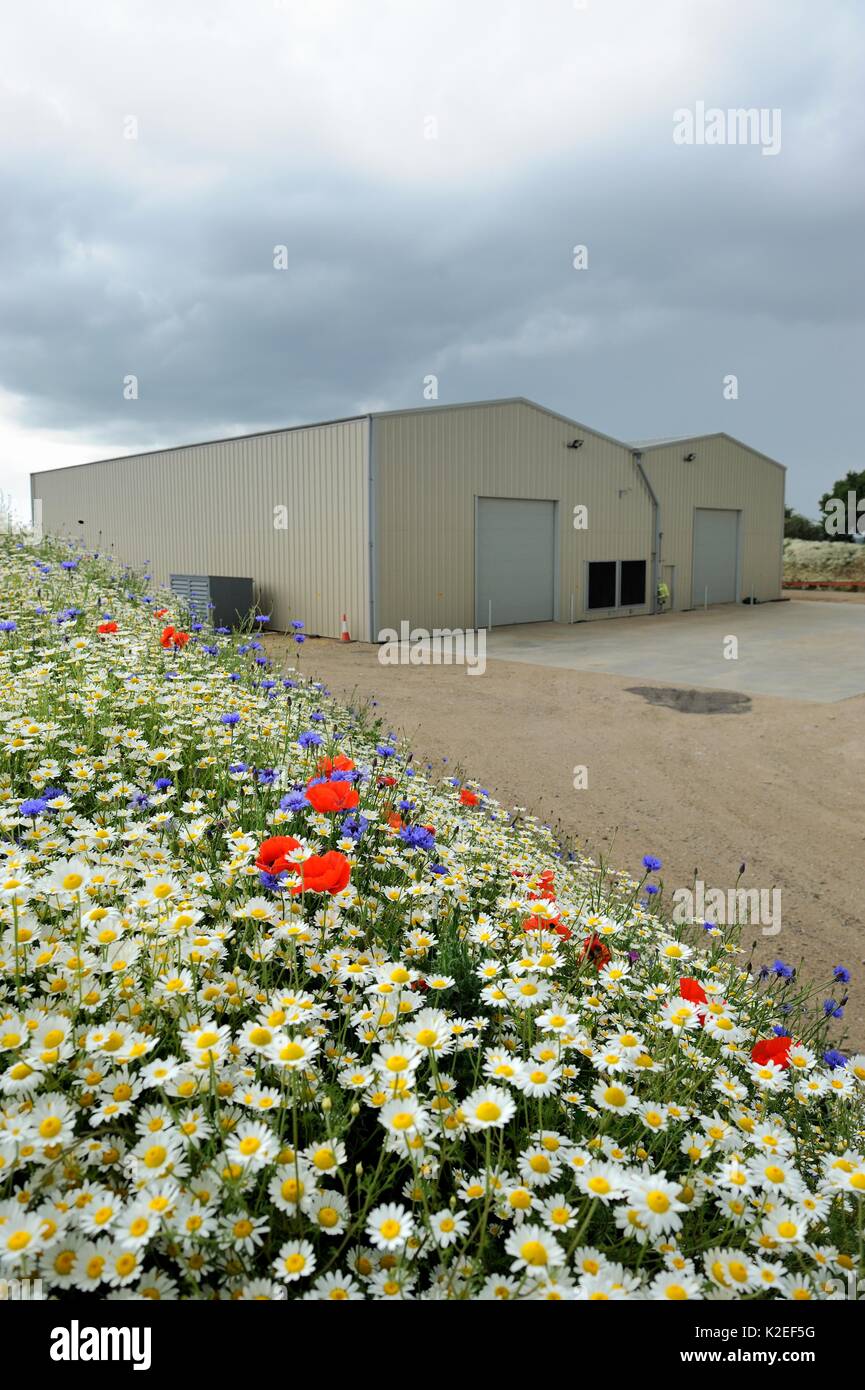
689, 458
576, 444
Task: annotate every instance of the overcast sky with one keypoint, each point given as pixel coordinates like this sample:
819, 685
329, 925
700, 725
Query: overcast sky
430, 166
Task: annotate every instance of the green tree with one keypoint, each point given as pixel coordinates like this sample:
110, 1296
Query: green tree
801, 528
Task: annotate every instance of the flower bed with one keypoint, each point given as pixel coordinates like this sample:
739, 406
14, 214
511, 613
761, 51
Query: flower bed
823, 562
284, 1015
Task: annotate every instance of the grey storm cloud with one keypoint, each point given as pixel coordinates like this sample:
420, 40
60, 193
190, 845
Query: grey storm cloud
702, 262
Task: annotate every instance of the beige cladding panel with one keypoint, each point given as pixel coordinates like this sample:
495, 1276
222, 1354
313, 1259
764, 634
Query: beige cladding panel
724, 474
431, 465
210, 509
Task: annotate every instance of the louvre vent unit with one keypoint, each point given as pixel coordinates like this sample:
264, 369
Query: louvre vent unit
225, 600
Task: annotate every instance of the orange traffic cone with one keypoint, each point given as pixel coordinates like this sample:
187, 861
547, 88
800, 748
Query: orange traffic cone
345, 635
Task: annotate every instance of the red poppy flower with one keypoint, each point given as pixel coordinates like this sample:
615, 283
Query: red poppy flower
338, 764
332, 796
693, 991
171, 637
387, 781
272, 854
107, 627
160, 613
546, 893
395, 821
775, 1050
596, 950
548, 924
469, 798
324, 873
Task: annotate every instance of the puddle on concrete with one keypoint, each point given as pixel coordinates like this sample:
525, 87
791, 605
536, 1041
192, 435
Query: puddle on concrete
694, 701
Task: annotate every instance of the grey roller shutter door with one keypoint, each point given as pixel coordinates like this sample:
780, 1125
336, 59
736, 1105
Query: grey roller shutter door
716, 552
516, 558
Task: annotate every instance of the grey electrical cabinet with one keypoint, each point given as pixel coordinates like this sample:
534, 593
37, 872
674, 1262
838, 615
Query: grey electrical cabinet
225, 600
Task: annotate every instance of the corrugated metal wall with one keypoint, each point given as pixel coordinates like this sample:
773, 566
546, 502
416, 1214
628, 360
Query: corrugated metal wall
209, 509
430, 465
724, 474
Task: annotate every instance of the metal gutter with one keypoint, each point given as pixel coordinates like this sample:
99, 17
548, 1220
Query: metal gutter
373, 548
656, 518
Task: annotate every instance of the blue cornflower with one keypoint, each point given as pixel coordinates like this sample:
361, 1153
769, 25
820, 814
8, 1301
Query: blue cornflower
354, 826
273, 882
832, 1009
234, 677
384, 750
317, 717
297, 625
267, 776
232, 717
162, 784
438, 869
299, 638
290, 685
267, 685
784, 972
310, 739
651, 863
8, 625
417, 837
841, 974
197, 627
294, 801
262, 618
238, 767
34, 806
211, 650
652, 888
69, 564
405, 806
139, 801
833, 1058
